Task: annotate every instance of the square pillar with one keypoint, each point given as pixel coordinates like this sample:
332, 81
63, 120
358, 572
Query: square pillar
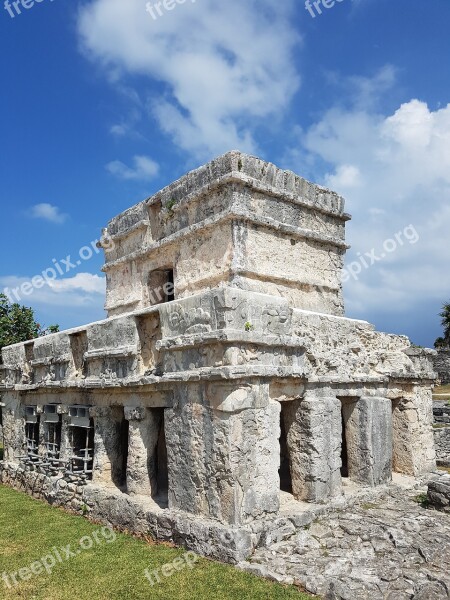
412, 416
109, 450
314, 432
368, 431
143, 434
14, 439
65, 447
223, 452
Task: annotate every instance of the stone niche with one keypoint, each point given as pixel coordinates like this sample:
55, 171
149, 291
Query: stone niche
226, 380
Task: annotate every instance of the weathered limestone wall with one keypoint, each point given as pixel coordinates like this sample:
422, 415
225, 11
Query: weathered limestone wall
54, 490
13, 426
368, 432
238, 221
225, 439
313, 429
441, 362
412, 418
441, 430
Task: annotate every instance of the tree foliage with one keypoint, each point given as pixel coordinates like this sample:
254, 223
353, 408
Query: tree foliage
444, 342
18, 324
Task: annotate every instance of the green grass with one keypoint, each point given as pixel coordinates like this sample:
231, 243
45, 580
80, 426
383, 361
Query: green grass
29, 529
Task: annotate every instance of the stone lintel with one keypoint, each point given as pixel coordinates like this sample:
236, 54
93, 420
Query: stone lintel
238, 396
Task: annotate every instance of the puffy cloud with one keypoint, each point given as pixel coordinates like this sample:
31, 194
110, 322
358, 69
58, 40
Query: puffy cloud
144, 169
70, 302
83, 289
47, 212
224, 66
394, 171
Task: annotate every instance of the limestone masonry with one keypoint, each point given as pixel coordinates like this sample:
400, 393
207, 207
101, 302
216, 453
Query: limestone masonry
226, 382
441, 362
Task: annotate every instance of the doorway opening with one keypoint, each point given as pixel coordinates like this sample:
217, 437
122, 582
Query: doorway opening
285, 463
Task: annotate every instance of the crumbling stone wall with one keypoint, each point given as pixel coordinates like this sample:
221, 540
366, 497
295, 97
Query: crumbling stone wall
441, 411
58, 491
441, 362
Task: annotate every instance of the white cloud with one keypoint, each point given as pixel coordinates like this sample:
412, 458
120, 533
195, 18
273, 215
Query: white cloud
120, 129
83, 289
48, 212
394, 170
144, 169
346, 176
225, 66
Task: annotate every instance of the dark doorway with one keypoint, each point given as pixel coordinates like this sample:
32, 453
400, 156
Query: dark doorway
162, 476
285, 467
344, 451
124, 437
161, 286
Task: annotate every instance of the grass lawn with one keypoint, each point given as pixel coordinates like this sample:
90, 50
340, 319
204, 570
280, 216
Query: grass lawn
30, 530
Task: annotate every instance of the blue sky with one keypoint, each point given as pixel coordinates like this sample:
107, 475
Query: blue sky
102, 105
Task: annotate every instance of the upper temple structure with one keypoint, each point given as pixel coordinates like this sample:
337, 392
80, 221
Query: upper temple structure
226, 388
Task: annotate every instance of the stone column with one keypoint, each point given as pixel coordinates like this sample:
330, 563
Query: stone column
368, 429
223, 451
314, 433
145, 424
42, 430
65, 450
108, 467
412, 416
13, 427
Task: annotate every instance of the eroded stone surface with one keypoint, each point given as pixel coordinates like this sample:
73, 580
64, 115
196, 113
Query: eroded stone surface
441, 362
439, 492
389, 548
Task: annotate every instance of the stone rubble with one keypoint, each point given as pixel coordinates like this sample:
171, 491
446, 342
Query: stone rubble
390, 548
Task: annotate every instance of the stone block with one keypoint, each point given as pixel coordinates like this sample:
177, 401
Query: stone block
368, 433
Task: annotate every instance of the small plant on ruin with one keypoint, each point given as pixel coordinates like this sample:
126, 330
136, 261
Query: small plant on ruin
368, 506
249, 326
422, 499
170, 206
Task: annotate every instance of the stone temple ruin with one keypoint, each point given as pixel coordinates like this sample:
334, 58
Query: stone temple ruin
226, 382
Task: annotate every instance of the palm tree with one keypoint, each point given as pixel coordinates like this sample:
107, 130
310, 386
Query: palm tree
445, 315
